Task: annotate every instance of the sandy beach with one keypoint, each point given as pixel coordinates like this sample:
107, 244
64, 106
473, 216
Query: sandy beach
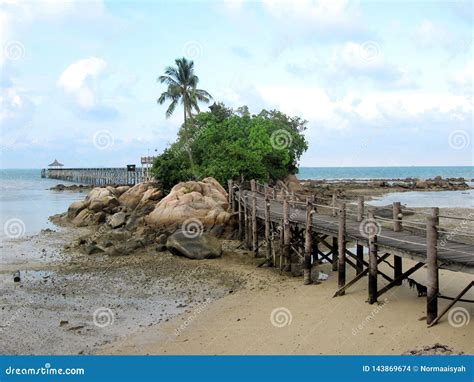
277, 314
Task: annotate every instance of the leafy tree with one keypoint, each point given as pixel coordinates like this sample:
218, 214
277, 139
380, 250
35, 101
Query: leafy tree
226, 144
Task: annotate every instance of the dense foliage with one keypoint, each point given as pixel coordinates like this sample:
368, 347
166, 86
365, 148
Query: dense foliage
225, 144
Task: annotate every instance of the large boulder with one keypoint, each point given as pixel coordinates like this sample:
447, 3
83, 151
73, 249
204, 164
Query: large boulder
98, 193
88, 217
198, 247
293, 184
204, 201
75, 208
140, 194
117, 220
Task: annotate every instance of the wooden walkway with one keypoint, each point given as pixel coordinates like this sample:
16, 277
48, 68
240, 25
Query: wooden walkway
300, 229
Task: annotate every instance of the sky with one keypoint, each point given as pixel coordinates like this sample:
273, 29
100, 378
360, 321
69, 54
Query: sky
381, 83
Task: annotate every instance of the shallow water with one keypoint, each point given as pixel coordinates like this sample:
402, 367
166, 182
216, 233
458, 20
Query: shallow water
426, 199
26, 202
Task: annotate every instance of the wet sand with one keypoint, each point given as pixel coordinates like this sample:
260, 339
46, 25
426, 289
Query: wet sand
70, 303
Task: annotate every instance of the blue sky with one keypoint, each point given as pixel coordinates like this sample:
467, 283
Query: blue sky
381, 83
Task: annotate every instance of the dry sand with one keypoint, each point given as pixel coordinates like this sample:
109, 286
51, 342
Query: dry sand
277, 314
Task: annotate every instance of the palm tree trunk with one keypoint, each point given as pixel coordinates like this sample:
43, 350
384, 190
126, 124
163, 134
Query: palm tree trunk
186, 134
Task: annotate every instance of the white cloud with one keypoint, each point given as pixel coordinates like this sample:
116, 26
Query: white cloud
79, 81
376, 108
429, 35
463, 80
331, 18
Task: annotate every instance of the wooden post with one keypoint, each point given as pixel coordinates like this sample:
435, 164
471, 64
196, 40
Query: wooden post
286, 233
282, 243
308, 242
231, 194
334, 201
360, 208
432, 267
241, 215
397, 227
334, 253
267, 228
372, 261
254, 218
360, 258
246, 220
341, 246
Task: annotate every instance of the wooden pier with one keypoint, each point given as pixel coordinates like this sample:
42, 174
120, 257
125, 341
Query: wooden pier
129, 175
299, 230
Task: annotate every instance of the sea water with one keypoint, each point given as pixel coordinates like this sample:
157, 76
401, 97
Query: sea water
26, 202
333, 173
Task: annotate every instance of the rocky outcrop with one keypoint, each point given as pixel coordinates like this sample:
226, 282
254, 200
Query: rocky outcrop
198, 247
204, 201
140, 194
117, 206
293, 184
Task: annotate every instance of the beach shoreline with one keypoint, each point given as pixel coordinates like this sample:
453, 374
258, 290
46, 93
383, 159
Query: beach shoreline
277, 314
154, 302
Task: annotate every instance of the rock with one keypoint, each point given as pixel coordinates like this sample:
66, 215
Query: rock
87, 217
161, 239
117, 220
75, 208
92, 249
121, 189
293, 184
106, 202
423, 184
200, 247
97, 193
148, 191
160, 248
205, 202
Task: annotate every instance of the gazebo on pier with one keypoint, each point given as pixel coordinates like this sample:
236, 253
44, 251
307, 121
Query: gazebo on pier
55, 165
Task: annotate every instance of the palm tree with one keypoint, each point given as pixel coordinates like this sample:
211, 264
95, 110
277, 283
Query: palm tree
182, 85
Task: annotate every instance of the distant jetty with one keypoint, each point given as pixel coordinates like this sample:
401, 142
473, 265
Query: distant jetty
129, 175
